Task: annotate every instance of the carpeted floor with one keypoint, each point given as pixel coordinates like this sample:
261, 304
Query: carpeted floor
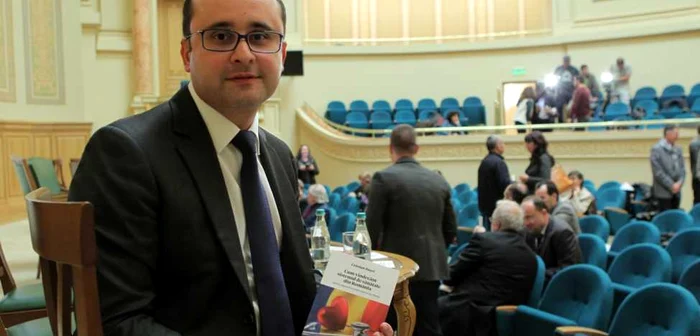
17, 246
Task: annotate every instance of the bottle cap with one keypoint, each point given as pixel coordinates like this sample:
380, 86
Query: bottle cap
361, 215
320, 212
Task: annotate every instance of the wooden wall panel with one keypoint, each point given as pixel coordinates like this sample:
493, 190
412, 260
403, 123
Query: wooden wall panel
24, 139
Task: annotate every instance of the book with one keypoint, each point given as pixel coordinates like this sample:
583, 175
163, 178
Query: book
353, 297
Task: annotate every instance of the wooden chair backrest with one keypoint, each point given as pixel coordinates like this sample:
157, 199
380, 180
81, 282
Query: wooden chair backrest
63, 235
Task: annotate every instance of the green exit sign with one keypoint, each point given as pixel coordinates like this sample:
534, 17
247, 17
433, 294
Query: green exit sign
518, 71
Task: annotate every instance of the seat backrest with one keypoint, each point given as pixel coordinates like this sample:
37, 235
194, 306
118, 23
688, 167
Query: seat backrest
341, 190
47, 173
640, 265
63, 235
342, 223
349, 204
684, 249
25, 177
352, 186
695, 214
609, 185
610, 197
672, 221
449, 102
336, 105
426, 104
466, 217
617, 109
426, 115
696, 106
6, 278
537, 285
470, 101
358, 106
645, 92
403, 104
472, 209
592, 250
381, 105
462, 187
658, 309
405, 117
581, 293
465, 197
596, 225
671, 112
690, 279
636, 232
674, 90
650, 106
334, 200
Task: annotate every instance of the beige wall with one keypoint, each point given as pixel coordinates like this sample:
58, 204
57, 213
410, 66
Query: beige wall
601, 156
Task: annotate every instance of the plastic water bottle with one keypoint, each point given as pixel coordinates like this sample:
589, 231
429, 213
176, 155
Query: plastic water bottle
320, 241
361, 243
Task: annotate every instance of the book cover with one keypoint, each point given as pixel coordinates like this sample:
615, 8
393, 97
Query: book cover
353, 298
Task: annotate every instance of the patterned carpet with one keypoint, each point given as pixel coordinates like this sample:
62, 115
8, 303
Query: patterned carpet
17, 246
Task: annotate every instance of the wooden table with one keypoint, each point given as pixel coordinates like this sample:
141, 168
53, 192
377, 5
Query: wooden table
405, 310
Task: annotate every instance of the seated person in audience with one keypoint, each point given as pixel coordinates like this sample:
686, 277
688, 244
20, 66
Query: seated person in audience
552, 239
516, 191
302, 198
362, 192
581, 199
453, 121
317, 199
496, 268
547, 191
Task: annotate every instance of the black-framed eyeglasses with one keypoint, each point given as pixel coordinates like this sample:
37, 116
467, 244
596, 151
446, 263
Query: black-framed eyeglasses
221, 40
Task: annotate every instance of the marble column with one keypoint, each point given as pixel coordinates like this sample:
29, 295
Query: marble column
142, 48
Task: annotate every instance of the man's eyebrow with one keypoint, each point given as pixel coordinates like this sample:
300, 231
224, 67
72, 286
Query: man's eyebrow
260, 25
220, 24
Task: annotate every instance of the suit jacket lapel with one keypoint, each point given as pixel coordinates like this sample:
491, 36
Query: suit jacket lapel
197, 150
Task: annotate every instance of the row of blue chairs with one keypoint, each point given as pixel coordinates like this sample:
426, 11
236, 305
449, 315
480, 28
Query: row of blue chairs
583, 296
472, 112
674, 91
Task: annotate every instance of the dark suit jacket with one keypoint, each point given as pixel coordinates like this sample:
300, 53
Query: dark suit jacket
496, 268
493, 180
539, 170
559, 247
410, 213
170, 260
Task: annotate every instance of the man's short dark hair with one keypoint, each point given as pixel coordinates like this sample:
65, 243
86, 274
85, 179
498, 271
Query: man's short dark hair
551, 187
187, 12
518, 192
579, 78
669, 128
537, 202
492, 142
577, 174
584, 67
403, 139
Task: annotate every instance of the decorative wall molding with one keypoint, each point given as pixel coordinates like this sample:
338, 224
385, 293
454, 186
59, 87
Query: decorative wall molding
26, 139
44, 68
269, 115
7, 54
114, 41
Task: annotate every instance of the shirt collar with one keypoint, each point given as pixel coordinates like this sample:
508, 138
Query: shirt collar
221, 130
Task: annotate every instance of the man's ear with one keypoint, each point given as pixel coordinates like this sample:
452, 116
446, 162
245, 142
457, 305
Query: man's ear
284, 55
185, 53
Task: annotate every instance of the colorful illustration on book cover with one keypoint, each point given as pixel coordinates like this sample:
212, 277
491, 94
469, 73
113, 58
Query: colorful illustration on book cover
336, 312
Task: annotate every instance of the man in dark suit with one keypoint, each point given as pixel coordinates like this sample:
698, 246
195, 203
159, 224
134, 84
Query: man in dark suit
552, 239
497, 268
493, 178
559, 208
410, 213
197, 223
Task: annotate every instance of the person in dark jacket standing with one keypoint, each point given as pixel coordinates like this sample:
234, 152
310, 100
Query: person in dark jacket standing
541, 162
410, 213
493, 178
307, 166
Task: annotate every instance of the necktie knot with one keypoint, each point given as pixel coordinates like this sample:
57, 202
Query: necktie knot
245, 141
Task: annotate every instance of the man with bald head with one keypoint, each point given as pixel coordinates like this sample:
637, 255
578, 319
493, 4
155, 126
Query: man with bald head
410, 213
496, 268
197, 223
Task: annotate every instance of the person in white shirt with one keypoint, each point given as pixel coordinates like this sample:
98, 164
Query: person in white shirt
578, 195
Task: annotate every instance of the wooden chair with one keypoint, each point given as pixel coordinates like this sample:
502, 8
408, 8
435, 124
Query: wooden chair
74, 166
63, 235
24, 174
49, 173
19, 304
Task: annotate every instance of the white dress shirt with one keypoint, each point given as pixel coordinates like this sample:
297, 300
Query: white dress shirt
222, 132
